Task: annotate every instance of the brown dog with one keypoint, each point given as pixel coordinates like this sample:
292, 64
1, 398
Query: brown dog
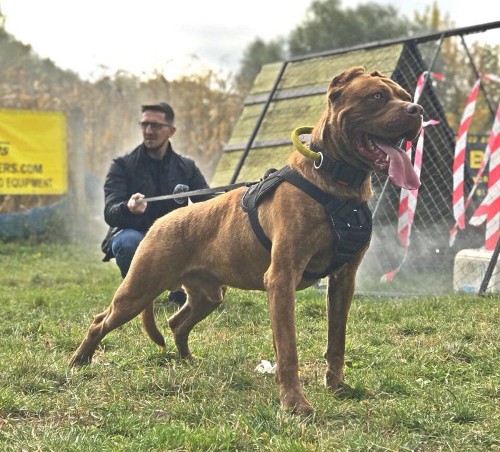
207, 246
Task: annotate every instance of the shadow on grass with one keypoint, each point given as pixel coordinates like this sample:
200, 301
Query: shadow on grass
356, 392
161, 359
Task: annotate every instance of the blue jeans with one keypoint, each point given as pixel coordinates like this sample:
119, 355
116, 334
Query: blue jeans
124, 245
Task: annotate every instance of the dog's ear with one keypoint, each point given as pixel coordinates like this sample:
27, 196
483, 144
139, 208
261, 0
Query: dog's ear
376, 74
343, 79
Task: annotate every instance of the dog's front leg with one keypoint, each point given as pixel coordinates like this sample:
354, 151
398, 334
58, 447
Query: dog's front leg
281, 293
339, 296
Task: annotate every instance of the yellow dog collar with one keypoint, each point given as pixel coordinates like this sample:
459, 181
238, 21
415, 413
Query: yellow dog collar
301, 147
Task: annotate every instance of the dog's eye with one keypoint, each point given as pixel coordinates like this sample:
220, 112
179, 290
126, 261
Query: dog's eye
377, 96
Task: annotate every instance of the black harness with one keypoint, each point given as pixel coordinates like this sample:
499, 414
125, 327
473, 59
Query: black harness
349, 219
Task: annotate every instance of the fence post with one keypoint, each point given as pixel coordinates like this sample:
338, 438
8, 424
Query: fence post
76, 176
489, 270
258, 123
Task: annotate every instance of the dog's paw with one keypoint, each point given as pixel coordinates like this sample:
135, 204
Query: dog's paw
296, 403
334, 381
303, 408
79, 360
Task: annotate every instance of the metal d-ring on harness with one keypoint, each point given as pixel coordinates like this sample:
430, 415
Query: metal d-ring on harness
350, 220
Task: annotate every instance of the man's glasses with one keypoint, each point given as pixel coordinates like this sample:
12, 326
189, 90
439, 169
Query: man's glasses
155, 126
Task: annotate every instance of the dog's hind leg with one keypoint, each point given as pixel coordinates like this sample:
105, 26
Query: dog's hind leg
125, 306
200, 303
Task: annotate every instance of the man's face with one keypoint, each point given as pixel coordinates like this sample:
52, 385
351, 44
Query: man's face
155, 130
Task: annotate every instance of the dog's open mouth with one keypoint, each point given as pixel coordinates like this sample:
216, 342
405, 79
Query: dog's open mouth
386, 156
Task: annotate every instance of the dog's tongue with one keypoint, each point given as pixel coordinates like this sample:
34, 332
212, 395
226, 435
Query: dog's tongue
401, 172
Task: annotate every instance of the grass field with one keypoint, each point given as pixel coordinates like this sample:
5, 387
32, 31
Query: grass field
424, 372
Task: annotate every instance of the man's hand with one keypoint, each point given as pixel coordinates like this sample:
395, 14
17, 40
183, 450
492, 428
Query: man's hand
135, 205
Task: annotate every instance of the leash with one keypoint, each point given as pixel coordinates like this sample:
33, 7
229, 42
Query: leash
203, 191
318, 157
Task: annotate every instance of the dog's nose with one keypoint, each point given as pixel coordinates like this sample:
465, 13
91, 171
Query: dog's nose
414, 109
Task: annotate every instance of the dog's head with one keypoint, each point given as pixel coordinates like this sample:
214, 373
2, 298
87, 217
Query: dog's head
368, 116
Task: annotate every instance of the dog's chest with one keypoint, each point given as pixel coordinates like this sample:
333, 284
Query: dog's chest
350, 220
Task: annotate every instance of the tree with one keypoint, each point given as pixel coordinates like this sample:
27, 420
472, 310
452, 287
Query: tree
326, 27
206, 108
255, 56
455, 64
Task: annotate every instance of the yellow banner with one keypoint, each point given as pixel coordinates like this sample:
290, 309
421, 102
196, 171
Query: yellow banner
32, 153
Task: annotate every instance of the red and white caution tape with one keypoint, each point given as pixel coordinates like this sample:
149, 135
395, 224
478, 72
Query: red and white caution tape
420, 83
481, 211
489, 209
408, 198
479, 216
459, 157
408, 203
492, 77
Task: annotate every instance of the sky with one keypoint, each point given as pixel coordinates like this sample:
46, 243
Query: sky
99, 37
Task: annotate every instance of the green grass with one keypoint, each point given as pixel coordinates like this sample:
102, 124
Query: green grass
424, 372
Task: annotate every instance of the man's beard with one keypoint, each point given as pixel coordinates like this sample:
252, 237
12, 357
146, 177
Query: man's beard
154, 148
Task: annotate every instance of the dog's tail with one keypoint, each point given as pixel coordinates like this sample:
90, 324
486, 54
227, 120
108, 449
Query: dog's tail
149, 325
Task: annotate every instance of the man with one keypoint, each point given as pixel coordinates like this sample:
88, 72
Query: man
151, 169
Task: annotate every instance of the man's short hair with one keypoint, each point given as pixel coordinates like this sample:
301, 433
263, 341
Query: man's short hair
164, 108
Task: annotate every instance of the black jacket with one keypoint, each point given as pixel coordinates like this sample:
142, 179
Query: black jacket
135, 173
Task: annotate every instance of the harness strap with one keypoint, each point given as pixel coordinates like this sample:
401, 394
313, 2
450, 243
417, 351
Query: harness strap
322, 198
250, 200
350, 220
307, 187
